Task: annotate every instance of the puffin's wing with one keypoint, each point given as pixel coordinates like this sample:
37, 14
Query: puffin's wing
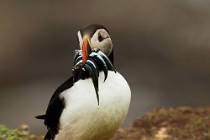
54, 110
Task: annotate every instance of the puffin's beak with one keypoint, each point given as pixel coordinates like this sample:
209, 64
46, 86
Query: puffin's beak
86, 49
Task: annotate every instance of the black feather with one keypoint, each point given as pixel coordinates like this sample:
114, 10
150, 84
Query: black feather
42, 117
54, 110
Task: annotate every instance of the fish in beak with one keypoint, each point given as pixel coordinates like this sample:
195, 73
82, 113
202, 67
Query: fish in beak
90, 60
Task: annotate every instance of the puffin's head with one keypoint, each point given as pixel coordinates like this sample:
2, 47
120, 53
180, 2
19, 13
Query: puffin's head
96, 37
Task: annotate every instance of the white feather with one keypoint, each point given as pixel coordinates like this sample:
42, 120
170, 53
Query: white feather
84, 119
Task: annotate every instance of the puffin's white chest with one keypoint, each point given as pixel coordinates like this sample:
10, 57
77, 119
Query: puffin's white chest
84, 119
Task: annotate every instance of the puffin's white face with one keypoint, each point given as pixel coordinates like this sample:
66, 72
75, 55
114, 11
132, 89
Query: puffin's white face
100, 40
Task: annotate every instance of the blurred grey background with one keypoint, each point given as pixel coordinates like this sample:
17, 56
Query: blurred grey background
161, 47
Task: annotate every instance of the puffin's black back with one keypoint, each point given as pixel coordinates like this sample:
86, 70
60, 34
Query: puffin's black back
54, 110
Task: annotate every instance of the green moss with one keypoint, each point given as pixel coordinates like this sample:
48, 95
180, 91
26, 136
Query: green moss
199, 122
16, 134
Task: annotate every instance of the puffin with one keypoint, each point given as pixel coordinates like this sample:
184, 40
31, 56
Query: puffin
93, 103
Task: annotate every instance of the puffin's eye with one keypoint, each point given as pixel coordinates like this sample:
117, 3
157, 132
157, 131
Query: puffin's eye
100, 37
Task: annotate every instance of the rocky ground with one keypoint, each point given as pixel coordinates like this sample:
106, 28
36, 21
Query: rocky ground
183, 123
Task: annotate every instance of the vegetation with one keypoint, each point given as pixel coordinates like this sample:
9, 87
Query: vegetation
183, 123
21, 133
